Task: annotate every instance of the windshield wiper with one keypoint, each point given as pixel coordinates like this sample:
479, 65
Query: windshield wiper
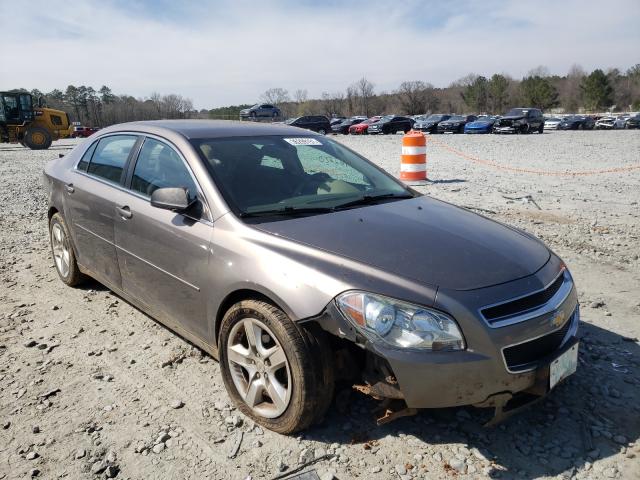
371, 199
286, 211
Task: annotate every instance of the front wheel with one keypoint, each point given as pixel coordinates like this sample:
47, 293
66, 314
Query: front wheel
541, 129
276, 372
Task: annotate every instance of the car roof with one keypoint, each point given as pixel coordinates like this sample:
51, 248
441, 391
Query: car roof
195, 129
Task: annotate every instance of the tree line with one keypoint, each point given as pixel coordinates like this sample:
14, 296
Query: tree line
102, 107
578, 91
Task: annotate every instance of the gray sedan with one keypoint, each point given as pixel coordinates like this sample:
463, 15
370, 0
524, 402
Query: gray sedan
297, 263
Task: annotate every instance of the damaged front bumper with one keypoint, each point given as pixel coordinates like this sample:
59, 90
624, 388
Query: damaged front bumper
475, 376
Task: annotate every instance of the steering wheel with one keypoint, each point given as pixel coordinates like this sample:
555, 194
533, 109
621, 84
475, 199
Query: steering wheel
313, 180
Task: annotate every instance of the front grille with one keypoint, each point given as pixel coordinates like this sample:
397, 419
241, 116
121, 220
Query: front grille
505, 123
524, 355
523, 304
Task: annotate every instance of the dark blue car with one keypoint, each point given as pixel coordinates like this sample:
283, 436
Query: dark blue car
483, 124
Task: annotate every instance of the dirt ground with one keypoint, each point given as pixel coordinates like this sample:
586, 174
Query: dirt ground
91, 387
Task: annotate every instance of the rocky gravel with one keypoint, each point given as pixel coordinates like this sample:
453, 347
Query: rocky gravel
90, 387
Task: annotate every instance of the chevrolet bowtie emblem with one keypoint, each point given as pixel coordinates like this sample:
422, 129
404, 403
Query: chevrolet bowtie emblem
558, 319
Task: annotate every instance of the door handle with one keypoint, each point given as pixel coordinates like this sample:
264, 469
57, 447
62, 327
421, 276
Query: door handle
69, 188
125, 212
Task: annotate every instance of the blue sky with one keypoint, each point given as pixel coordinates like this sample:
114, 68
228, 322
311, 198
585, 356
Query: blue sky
229, 52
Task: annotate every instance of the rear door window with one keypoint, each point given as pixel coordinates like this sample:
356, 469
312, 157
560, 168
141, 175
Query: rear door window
86, 158
110, 157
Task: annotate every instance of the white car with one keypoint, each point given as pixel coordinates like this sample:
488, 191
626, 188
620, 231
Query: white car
552, 123
605, 123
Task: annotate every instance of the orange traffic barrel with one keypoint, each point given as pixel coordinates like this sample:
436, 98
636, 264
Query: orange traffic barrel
413, 164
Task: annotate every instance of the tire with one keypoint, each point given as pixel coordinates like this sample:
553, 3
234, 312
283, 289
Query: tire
322, 131
64, 257
524, 129
541, 128
253, 115
304, 380
37, 138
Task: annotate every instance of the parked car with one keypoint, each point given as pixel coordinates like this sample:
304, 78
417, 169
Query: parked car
520, 120
621, 121
576, 122
83, 132
343, 127
316, 123
605, 123
261, 110
455, 124
552, 123
482, 124
430, 123
391, 124
277, 283
633, 122
362, 127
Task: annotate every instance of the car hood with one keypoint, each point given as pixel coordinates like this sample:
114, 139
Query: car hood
421, 239
480, 123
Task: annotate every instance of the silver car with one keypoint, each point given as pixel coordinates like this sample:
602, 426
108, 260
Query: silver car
296, 262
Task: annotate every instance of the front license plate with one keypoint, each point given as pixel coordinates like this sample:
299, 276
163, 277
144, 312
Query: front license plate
563, 366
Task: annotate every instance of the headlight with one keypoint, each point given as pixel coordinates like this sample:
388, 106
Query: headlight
400, 324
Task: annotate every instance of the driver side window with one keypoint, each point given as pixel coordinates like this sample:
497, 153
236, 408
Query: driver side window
159, 166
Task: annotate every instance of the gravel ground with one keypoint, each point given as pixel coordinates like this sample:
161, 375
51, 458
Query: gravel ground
90, 387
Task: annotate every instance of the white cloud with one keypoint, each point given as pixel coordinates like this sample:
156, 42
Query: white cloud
220, 53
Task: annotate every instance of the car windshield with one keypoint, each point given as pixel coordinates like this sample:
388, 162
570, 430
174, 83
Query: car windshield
517, 112
552, 119
386, 118
456, 118
291, 120
434, 118
288, 175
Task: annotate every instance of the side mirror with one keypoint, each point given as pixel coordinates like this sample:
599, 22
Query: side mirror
170, 198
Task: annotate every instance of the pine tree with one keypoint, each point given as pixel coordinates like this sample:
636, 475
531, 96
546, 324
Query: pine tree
597, 92
538, 92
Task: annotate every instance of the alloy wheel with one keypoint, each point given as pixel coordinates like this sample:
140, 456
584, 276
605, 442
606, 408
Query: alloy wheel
259, 368
60, 247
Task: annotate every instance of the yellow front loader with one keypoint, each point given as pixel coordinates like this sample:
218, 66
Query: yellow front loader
32, 127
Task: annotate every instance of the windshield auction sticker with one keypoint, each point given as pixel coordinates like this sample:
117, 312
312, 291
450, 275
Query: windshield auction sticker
302, 141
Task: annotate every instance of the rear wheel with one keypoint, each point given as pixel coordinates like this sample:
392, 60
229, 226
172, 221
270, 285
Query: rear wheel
37, 138
275, 371
64, 257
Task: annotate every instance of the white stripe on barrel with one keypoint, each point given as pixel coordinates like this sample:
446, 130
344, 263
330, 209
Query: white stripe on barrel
413, 167
414, 150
